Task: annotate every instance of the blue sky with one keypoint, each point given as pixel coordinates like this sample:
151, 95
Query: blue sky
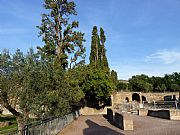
143, 36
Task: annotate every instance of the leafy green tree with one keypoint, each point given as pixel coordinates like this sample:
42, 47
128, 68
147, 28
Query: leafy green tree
12, 85
168, 81
122, 86
140, 83
176, 78
75, 79
98, 83
98, 86
175, 87
163, 87
59, 35
148, 87
114, 77
31, 85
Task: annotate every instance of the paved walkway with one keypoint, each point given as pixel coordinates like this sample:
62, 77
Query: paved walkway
98, 125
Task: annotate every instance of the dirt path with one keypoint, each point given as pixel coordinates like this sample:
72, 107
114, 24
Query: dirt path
98, 125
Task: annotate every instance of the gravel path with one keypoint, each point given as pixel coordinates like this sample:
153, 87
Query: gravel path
98, 125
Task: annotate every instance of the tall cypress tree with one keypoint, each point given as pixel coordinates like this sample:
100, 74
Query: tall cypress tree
98, 52
103, 58
99, 84
94, 55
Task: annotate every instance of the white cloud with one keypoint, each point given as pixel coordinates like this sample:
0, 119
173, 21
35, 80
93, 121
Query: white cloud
165, 56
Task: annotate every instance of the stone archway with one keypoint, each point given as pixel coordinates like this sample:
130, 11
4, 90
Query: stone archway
144, 98
136, 97
127, 99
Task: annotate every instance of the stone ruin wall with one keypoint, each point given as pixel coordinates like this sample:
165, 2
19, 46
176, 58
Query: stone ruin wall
120, 97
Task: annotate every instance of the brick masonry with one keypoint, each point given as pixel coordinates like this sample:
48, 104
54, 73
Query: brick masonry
120, 97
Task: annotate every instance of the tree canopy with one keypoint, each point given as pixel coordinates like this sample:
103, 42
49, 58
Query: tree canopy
40, 83
59, 35
170, 82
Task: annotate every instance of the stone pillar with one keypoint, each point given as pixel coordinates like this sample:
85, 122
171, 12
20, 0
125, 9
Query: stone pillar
140, 94
112, 100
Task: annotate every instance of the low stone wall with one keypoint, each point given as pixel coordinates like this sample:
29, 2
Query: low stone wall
93, 111
165, 114
174, 114
110, 114
171, 114
121, 120
143, 112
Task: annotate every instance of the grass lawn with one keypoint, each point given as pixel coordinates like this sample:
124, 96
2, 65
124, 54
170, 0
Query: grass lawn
12, 127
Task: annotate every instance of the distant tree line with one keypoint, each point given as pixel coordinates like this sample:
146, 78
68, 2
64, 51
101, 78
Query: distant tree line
168, 83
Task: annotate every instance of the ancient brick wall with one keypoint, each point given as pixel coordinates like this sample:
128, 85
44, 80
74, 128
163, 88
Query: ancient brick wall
121, 97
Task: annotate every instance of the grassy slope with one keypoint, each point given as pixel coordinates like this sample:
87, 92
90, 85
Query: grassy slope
12, 120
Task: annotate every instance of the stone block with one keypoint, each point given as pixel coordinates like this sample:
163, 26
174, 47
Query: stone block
110, 114
123, 121
143, 112
165, 114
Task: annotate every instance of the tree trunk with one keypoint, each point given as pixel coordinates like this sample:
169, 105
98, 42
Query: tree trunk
20, 118
21, 124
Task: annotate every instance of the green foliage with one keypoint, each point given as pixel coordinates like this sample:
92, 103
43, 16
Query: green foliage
114, 77
140, 83
98, 57
59, 35
98, 86
36, 85
95, 43
163, 87
122, 86
103, 59
175, 87
98, 83
155, 84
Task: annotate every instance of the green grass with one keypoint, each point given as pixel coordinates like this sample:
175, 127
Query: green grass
8, 129
13, 125
7, 118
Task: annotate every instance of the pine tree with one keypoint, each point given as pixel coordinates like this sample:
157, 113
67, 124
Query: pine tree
103, 58
59, 35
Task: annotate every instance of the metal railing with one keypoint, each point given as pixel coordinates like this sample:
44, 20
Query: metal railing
134, 106
162, 105
127, 107
48, 126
